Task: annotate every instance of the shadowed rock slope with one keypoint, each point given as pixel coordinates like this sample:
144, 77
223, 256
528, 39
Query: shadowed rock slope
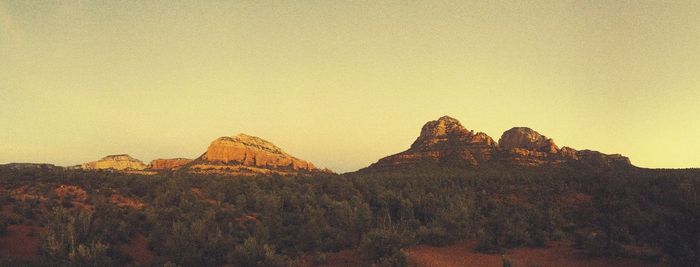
445, 142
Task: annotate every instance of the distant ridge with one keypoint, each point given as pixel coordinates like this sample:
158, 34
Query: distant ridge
244, 154
121, 162
442, 142
241, 154
445, 142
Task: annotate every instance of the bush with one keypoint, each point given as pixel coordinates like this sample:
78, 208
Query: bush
320, 258
399, 259
69, 241
597, 243
3, 225
255, 254
384, 247
436, 236
506, 261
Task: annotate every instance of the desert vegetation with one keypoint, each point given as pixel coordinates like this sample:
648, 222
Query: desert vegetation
193, 220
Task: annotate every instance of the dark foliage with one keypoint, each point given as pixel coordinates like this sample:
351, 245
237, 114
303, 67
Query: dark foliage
273, 221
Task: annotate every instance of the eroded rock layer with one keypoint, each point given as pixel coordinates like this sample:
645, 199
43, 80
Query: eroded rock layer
248, 155
115, 162
447, 143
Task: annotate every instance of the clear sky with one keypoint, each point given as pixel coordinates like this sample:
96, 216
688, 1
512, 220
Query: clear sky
344, 83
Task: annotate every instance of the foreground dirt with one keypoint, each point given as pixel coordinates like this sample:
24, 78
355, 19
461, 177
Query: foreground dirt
463, 254
21, 242
557, 254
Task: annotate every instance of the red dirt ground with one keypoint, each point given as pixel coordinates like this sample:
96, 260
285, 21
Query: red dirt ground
138, 249
19, 244
556, 255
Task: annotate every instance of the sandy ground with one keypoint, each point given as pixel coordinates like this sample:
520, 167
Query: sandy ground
555, 255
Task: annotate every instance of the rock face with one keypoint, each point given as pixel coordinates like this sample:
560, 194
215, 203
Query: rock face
528, 139
115, 162
598, 159
527, 147
446, 142
167, 164
248, 155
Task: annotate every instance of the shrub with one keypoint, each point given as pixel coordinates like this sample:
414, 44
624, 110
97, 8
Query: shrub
384, 247
597, 243
3, 225
255, 254
436, 236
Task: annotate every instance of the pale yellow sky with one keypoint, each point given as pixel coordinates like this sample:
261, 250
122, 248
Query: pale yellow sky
344, 83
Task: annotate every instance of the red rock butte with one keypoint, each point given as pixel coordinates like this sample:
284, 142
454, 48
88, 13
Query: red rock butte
121, 162
248, 155
446, 142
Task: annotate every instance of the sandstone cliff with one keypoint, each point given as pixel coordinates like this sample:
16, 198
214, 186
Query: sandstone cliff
115, 162
248, 155
446, 142
527, 147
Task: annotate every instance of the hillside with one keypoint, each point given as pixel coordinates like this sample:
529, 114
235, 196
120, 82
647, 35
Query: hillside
446, 143
193, 220
454, 198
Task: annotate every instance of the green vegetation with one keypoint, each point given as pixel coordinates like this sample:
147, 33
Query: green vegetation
276, 221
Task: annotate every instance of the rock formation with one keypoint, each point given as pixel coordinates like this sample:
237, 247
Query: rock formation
248, 155
598, 159
528, 139
527, 147
167, 164
115, 162
446, 142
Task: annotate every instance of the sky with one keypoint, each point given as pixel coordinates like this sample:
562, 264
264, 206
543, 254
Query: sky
344, 83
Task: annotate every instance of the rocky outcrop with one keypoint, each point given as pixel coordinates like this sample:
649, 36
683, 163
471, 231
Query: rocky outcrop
248, 155
598, 159
446, 142
526, 147
527, 139
167, 164
115, 162
567, 152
